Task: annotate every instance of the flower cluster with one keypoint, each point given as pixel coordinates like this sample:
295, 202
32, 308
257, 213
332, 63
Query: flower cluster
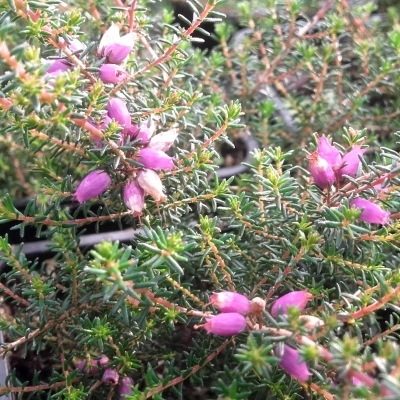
327, 166
151, 155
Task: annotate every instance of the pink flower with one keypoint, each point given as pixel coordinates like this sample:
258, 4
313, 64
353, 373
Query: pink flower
59, 65
226, 324
112, 73
134, 197
118, 111
143, 132
88, 368
151, 183
163, 141
155, 159
328, 152
92, 185
321, 171
110, 377
371, 213
115, 48
350, 162
297, 299
231, 302
125, 387
326, 164
290, 363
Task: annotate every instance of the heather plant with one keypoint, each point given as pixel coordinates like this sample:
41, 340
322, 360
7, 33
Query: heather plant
135, 263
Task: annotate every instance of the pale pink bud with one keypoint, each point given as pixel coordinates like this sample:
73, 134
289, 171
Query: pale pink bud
110, 377
92, 185
134, 197
291, 363
328, 152
371, 213
257, 305
226, 324
163, 141
151, 183
155, 159
112, 73
76, 45
321, 171
350, 162
231, 302
311, 322
118, 111
125, 387
297, 299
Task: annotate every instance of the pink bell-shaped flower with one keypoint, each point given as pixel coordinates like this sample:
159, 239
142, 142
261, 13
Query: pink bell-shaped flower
117, 110
125, 387
297, 299
231, 302
151, 183
110, 377
112, 73
290, 363
321, 171
155, 159
371, 213
226, 324
114, 47
164, 140
134, 197
328, 152
350, 162
92, 185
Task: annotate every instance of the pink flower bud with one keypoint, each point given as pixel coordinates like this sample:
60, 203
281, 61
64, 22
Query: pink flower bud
163, 141
103, 361
92, 185
115, 48
321, 171
112, 73
134, 197
118, 111
290, 363
350, 162
59, 65
76, 45
88, 368
155, 159
110, 377
257, 305
297, 299
231, 302
125, 387
226, 324
151, 183
371, 213
328, 152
